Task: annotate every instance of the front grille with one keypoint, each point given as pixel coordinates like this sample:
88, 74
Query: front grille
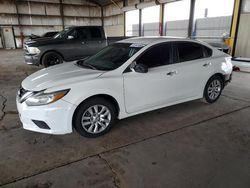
25, 49
23, 94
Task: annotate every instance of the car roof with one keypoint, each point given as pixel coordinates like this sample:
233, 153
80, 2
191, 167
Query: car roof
150, 40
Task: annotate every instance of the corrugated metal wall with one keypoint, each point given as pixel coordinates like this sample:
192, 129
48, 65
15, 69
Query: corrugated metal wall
113, 20
215, 26
36, 17
177, 28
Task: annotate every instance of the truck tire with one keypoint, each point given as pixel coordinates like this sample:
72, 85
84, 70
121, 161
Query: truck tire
51, 58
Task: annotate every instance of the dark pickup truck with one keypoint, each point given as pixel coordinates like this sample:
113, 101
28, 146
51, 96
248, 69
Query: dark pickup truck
70, 44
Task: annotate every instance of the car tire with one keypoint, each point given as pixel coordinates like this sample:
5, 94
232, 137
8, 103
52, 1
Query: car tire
51, 58
94, 117
213, 89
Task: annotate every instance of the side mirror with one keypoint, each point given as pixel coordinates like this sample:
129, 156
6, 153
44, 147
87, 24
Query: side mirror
140, 68
70, 37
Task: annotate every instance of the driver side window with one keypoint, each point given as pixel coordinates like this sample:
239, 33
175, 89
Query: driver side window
158, 55
73, 33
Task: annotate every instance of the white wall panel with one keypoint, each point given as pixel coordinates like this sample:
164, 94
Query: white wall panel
7, 7
177, 28
114, 30
150, 29
112, 9
243, 38
39, 20
114, 20
216, 26
82, 2
8, 19
81, 21
52, 9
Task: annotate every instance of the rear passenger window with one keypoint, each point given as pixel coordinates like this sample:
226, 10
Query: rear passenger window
207, 51
95, 33
158, 55
190, 51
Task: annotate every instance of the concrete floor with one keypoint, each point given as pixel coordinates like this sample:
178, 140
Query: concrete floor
187, 145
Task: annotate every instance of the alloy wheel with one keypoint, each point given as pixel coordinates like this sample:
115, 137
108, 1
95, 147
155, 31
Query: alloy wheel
214, 89
96, 119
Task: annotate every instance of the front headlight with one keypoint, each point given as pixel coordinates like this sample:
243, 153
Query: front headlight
45, 98
33, 50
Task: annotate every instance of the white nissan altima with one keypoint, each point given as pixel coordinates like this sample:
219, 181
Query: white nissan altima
124, 79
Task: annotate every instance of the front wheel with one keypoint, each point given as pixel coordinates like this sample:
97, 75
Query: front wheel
94, 117
213, 89
51, 58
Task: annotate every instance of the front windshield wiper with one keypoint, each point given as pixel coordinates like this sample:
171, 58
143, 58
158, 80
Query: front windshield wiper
83, 63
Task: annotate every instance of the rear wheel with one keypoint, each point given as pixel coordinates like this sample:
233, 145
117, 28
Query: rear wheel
94, 117
213, 89
51, 58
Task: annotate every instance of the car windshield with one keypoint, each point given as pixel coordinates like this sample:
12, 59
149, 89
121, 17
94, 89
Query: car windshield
111, 57
62, 33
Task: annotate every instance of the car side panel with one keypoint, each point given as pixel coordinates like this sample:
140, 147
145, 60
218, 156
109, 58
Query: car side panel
112, 86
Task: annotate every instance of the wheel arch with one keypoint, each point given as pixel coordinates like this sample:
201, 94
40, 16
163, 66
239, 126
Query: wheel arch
104, 96
48, 52
216, 74
221, 76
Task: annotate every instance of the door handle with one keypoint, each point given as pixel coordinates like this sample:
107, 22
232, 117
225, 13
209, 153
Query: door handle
207, 64
83, 42
99, 41
171, 73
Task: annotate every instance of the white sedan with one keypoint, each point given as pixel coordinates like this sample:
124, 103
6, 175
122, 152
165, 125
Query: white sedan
124, 79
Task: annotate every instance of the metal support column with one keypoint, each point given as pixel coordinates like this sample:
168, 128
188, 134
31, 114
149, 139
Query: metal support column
140, 20
191, 18
140, 23
125, 3
235, 26
61, 13
19, 24
161, 22
102, 18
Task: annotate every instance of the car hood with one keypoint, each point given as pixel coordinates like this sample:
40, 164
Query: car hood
42, 41
58, 75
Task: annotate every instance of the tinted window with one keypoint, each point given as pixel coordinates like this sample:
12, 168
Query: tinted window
156, 56
50, 34
189, 51
207, 51
112, 56
83, 33
95, 33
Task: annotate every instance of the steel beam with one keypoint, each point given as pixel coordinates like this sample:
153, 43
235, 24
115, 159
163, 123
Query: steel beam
235, 26
161, 23
19, 25
191, 18
62, 13
125, 3
140, 20
102, 18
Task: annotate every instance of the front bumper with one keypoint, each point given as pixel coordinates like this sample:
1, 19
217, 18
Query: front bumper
32, 59
228, 79
57, 116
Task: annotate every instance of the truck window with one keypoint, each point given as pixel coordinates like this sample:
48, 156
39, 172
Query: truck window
95, 32
83, 33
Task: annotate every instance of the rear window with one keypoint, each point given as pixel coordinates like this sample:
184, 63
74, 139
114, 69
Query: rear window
188, 51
